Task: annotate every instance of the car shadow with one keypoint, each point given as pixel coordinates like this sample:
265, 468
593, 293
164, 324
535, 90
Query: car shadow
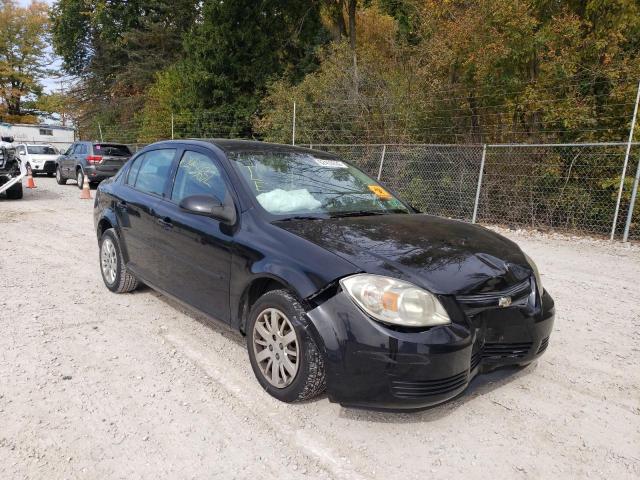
216, 325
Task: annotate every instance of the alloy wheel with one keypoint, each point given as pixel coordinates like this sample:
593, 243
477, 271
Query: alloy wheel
109, 260
276, 347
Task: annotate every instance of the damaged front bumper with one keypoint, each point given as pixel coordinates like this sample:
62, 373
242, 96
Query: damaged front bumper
372, 365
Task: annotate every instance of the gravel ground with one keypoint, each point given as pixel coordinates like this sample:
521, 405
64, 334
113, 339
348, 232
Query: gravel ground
98, 385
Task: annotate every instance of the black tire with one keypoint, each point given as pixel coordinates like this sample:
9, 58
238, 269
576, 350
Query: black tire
123, 281
309, 380
59, 178
15, 192
80, 178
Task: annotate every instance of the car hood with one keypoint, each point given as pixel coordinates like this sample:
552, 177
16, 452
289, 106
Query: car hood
443, 256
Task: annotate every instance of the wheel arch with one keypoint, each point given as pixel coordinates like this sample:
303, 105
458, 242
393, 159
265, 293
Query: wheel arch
254, 289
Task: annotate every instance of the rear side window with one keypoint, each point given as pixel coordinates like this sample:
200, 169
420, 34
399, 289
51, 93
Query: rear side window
111, 150
81, 149
153, 171
197, 175
134, 169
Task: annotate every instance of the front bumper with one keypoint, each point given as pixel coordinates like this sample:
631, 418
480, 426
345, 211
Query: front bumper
48, 167
371, 365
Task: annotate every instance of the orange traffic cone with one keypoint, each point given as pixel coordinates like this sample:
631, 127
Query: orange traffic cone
30, 182
86, 191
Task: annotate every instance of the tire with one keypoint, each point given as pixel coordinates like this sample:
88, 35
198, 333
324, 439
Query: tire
15, 192
80, 178
59, 178
309, 377
119, 280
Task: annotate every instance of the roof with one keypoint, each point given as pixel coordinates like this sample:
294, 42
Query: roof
35, 125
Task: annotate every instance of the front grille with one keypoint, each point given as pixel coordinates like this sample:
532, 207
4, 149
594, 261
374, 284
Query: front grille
428, 388
475, 359
543, 346
499, 351
520, 290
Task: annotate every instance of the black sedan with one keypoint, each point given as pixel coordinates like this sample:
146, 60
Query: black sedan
335, 281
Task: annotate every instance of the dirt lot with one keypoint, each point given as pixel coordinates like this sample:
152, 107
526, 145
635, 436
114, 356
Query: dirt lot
98, 385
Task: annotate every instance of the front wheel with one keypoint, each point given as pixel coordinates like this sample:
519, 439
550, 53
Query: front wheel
284, 357
59, 178
115, 275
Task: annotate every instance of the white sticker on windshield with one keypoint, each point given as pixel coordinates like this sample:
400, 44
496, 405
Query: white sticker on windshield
330, 163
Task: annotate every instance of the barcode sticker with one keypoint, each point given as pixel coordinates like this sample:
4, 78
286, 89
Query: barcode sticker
330, 163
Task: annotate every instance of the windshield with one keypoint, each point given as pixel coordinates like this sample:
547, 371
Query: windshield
41, 150
111, 150
300, 184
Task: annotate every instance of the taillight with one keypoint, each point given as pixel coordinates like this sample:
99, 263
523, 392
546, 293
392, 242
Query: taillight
94, 158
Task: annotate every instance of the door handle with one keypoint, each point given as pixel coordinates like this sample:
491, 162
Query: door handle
165, 222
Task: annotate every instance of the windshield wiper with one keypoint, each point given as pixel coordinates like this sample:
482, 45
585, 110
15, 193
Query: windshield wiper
299, 217
357, 213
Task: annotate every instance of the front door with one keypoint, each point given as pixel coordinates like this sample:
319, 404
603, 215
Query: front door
136, 207
196, 249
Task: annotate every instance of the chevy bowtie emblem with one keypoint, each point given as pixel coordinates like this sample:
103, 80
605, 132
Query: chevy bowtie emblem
504, 302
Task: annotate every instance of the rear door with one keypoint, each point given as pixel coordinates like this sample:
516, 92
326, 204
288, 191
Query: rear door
112, 157
136, 211
196, 250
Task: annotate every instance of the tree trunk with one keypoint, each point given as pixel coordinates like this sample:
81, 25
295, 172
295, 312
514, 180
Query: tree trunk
352, 42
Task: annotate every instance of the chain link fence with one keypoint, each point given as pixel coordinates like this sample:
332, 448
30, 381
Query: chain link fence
562, 187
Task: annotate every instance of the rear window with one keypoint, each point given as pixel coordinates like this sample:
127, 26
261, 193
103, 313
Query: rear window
41, 150
111, 150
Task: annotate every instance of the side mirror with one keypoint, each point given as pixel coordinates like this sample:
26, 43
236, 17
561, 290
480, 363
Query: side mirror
209, 206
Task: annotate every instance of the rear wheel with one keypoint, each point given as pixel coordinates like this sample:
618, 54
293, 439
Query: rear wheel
15, 192
284, 357
80, 178
115, 275
59, 178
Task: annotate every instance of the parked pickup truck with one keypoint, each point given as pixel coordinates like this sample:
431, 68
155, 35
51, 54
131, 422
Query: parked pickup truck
11, 170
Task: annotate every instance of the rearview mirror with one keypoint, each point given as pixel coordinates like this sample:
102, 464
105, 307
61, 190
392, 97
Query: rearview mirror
209, 206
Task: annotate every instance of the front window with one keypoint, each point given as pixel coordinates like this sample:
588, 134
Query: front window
300, 184
41, 150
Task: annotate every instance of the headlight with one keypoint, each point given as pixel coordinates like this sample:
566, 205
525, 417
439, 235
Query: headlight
536, 274
394, 301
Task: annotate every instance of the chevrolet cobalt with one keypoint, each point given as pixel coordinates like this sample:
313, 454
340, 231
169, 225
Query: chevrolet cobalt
335, 281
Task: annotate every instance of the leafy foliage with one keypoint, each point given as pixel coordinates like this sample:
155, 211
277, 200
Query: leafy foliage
23, 58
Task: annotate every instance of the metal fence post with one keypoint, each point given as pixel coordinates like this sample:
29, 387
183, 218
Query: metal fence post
634, 192
624, 167
293, 127
384, 151
475, 206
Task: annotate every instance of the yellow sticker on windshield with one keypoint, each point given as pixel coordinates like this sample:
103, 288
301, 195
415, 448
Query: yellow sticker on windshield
380, 192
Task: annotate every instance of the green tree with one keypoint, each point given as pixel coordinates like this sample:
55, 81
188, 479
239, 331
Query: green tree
240, 46
23, 53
